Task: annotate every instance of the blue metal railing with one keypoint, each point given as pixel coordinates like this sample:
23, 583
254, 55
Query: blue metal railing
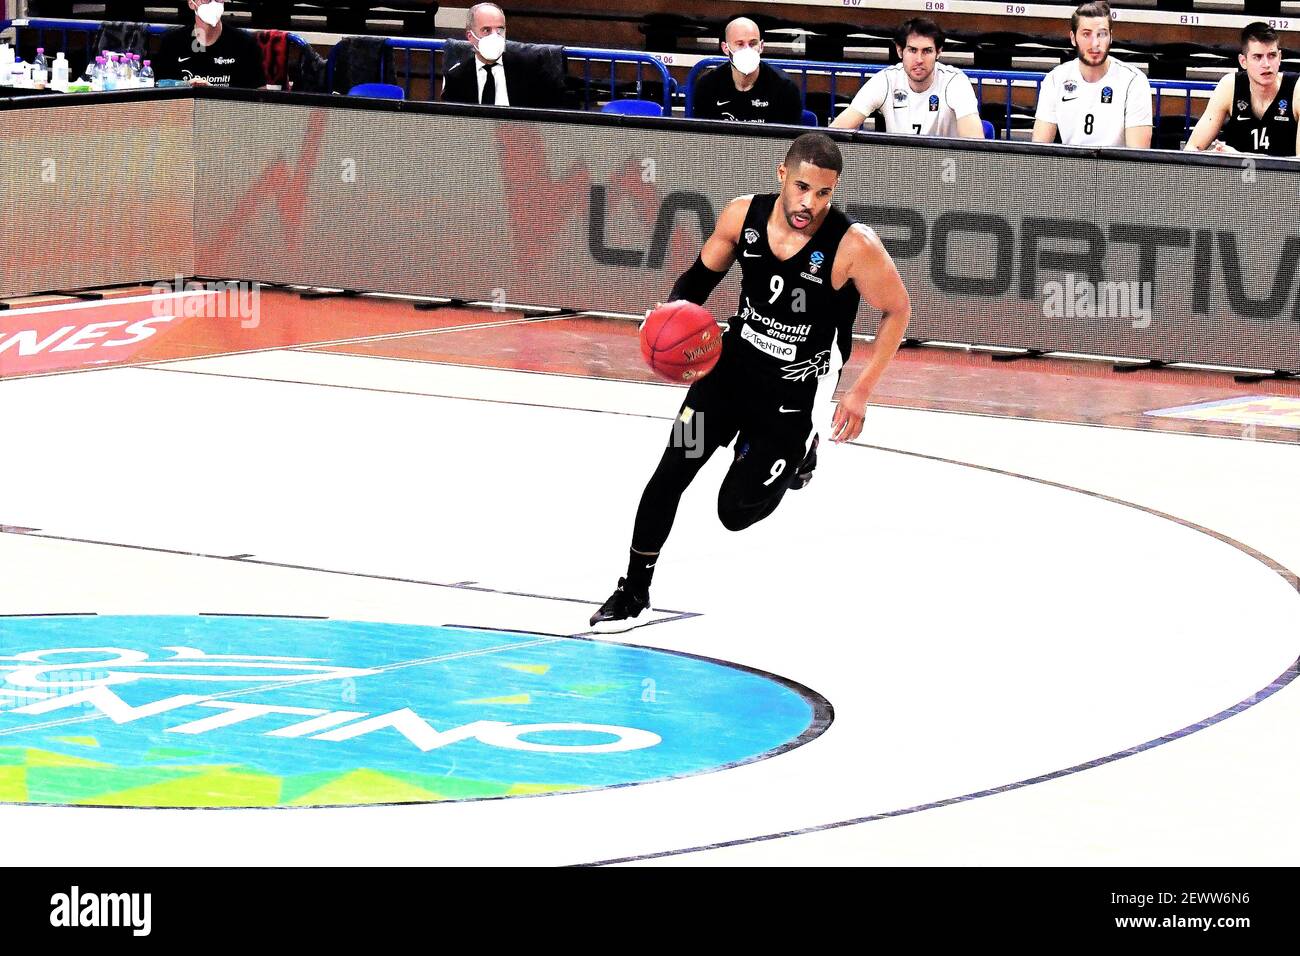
858, 72
1008, 78
588, 56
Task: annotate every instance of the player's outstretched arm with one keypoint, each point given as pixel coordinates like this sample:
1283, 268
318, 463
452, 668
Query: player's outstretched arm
872, 270
697, 283
1212, 120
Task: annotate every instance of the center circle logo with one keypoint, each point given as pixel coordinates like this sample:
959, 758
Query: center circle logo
240, 711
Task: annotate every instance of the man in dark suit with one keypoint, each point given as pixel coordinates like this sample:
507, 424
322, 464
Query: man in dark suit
521, 75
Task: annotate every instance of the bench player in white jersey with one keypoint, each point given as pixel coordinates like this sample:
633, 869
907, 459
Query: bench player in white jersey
1094, 100
919, 95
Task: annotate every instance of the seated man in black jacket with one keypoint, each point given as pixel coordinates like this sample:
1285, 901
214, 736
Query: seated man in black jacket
495, 76
746, 89
208, 53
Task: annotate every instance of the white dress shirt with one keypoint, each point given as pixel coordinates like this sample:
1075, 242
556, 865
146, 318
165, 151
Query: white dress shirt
498, 75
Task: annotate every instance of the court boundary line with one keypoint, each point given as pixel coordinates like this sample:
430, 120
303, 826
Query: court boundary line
602, 411
314, 350
157, 549
1276, 684
1272, 687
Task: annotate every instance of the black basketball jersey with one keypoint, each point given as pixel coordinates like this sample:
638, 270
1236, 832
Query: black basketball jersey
1274, 133
789, 318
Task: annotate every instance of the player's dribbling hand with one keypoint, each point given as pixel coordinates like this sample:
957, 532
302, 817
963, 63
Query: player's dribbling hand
657, 305
849, 413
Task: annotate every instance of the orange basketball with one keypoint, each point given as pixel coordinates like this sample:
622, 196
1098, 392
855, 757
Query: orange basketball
681, 341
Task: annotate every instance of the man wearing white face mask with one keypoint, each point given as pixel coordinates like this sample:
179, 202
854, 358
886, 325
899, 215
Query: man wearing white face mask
495, 76
210, 53
746, 89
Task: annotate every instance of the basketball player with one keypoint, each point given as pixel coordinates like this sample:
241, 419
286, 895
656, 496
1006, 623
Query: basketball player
1094, 100
919, 95
1254, 107
804, 265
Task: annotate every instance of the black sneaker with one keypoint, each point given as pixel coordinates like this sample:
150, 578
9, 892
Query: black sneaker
805, 471
622, 604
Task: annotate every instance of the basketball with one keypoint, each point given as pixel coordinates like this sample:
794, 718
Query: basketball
681, 341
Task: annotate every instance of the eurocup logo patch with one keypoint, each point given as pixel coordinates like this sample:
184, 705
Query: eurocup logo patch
816, 260
1281, 106
245, 711
751, 236
934, 103
1107, 94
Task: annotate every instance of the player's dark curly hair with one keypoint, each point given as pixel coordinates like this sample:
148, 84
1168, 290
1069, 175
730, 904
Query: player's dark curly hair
815, 148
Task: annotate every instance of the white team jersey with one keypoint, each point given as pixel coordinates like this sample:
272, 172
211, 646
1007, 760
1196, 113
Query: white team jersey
932, 112
1095, 114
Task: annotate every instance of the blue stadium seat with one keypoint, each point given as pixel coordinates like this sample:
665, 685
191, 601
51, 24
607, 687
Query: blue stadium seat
989, 131
809, 118
379, 91
633, 108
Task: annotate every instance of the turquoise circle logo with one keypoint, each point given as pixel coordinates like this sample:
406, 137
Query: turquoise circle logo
243, 711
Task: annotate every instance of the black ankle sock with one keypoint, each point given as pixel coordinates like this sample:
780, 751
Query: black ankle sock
640, 569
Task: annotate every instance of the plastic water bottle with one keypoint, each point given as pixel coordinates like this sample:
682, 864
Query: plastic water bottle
123, 72
40, 69
95, 74
59, 73
146, 75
